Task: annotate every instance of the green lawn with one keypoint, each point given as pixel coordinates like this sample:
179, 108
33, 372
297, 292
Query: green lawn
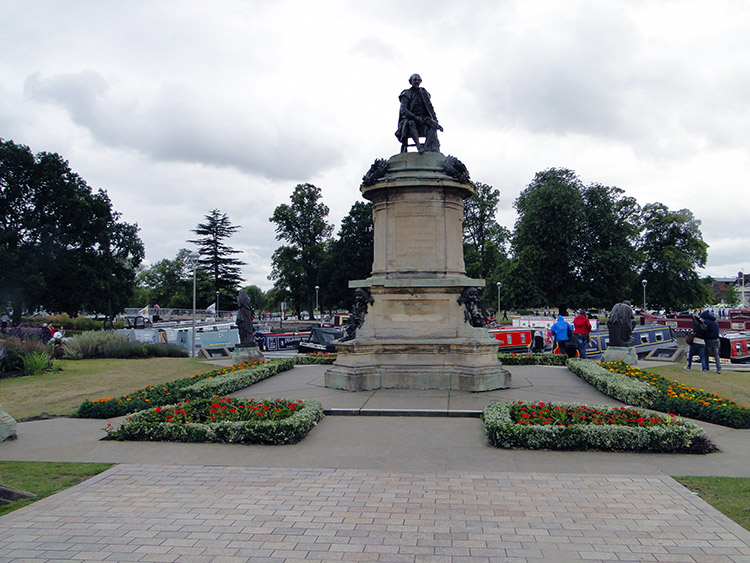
61, 392
43, 478
728, 495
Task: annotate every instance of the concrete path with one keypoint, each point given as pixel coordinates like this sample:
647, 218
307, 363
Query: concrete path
369, 488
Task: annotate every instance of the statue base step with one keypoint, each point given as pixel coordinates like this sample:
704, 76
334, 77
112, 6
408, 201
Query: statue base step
458, 364
620, 354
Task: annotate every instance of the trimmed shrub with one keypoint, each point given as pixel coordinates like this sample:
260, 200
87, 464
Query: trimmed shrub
175, 423
217, 382
323, 358
533, 359
641, 431
621, 387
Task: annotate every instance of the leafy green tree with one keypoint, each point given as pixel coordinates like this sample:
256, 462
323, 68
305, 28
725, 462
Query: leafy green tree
545, 240
607, 255
257, 297
170, 283
349, 257
672, 247
216, 256
484, 239
62, 245
731, 296
296, 265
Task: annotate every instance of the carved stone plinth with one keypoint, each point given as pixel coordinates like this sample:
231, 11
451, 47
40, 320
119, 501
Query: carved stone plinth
247, 353
415, 334
625, 354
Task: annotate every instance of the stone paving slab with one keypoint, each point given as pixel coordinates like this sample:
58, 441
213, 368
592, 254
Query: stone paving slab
149, 513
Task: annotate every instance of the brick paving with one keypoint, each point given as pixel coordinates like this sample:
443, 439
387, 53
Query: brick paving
170, 513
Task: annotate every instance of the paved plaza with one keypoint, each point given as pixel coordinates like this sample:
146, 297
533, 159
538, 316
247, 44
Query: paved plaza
375, 488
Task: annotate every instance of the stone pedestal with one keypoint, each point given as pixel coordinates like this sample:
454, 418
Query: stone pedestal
247, 353
415, 335
7, 426
620, 354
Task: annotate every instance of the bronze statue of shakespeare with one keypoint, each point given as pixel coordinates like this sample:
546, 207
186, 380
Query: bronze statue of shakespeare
417, 118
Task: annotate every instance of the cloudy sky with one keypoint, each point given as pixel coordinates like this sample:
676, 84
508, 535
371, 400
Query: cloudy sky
177, 108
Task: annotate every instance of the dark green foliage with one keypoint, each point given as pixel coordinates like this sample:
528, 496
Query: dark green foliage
574, 245
485, 241
533, 359
216, 256
673, 248
14, 349
62, 246
296, 265
349, 257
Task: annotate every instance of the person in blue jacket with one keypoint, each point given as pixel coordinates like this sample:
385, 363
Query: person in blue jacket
562, 332
712, 339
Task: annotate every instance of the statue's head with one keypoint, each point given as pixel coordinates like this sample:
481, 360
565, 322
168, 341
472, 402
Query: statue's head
415, 80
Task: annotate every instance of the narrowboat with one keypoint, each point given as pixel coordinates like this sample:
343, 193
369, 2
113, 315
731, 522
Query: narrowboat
321, 340
280, 341
645, 339
736, 320
735, 347
520, 340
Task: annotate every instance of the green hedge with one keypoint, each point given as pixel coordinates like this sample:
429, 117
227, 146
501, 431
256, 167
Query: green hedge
621, 387
504, 431
533, 359
217, 382
314, 359
288, 430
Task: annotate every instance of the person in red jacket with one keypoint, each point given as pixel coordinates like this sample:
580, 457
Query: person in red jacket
581, 331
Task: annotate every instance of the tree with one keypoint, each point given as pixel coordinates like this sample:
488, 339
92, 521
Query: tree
672, 247
257, 297
730, 296
303, 226
170, 282
349, 257
62, 246
216, 257
607, 254
484, 240
544, 242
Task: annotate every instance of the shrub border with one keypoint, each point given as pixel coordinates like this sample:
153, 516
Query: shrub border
684, 437
275, 432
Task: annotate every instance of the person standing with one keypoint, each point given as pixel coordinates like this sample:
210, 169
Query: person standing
712, 339
696, 341
581, 331
561, 331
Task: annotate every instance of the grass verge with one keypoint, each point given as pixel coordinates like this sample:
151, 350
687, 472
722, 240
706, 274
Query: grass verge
43, 478
728, 495
61, 392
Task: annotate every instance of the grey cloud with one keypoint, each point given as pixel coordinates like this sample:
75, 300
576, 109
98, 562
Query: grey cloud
175, 126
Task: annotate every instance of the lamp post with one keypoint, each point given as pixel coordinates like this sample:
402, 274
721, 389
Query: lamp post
216, 310
194, 255
497, 314
644, 282
317, 288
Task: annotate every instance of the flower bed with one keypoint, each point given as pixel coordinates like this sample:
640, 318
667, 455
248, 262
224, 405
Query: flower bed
533, 359
315, 358
222, 419
571, 426
217, 382
672, 396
